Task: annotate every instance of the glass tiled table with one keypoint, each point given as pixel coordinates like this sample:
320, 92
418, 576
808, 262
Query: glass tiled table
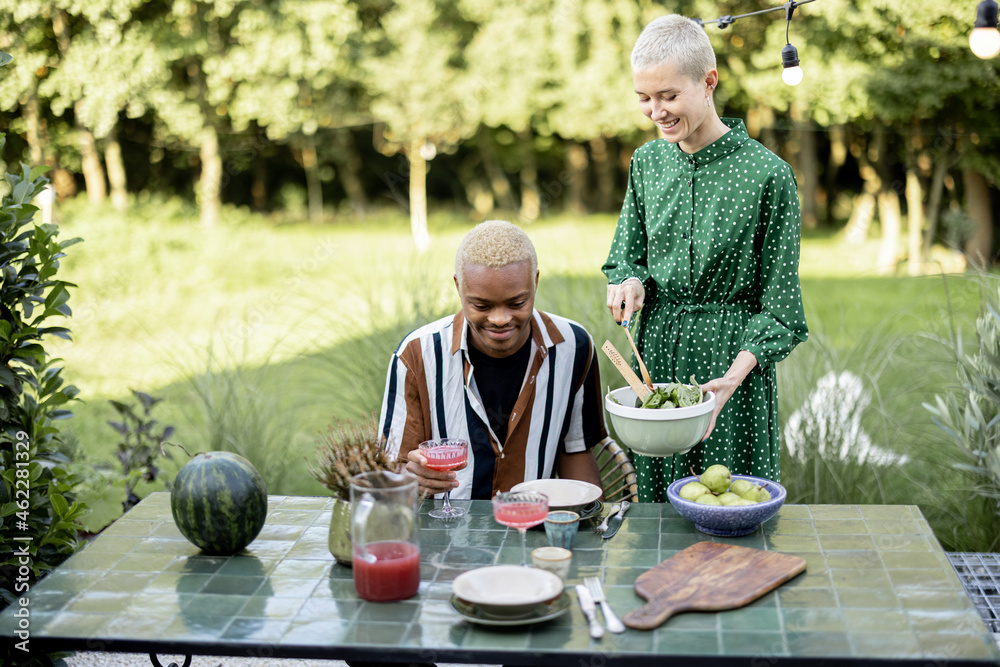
878, 588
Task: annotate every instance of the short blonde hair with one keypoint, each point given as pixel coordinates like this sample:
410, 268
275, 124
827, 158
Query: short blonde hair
496, 244
678, 39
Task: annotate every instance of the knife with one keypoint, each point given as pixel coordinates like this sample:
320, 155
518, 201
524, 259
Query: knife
616, 521
589, 610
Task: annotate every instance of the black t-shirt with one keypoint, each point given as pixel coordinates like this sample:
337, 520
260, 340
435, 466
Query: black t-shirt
499, 382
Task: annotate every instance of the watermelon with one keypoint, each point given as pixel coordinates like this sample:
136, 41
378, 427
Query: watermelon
219, 502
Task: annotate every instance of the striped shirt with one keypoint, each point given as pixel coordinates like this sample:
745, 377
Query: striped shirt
431, 393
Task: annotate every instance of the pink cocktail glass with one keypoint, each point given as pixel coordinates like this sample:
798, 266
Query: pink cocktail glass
446, 454
521, 510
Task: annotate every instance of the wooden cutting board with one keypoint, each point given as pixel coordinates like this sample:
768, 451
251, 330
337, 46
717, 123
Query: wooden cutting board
709, 576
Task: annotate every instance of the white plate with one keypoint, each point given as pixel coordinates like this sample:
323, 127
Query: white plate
563, 493
543, 612
506, 591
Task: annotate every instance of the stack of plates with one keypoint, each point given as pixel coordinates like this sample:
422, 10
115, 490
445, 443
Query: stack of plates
508, 595
566, 494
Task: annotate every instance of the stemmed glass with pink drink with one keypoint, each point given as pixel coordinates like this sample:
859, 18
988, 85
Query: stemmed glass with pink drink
446, 454
521, 510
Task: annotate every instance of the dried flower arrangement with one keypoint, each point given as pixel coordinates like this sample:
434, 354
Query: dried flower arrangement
349, 448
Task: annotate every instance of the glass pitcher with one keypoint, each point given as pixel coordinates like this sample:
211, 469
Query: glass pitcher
383, 533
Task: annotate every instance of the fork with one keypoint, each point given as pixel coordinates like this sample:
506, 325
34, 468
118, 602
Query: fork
603, 526
594, 586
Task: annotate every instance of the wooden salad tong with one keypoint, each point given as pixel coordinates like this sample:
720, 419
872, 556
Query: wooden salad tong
642, 366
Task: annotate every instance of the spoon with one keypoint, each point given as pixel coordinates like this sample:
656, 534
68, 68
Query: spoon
641, 390
642, 366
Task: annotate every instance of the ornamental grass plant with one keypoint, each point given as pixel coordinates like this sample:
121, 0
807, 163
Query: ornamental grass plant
968, 412
241, 408
854, 429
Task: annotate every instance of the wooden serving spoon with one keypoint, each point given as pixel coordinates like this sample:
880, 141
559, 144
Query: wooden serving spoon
642, 366
633, 380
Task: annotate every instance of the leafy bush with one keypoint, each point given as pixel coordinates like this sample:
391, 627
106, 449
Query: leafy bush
38, 509
141, 443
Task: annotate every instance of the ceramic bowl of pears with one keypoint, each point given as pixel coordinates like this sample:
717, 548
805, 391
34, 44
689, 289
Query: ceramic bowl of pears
723, 504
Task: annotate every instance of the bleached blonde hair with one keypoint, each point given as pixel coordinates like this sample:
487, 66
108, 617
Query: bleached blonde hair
678, 39
496, 244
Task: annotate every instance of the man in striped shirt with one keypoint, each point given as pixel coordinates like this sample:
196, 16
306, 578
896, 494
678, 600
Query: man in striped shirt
522, 386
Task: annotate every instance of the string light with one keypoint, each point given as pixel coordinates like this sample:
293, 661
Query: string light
984, 40
791, 73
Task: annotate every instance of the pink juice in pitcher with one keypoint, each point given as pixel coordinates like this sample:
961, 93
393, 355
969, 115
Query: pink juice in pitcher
393, 574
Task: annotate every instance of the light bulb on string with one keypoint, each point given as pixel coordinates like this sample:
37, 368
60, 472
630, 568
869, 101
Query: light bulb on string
791, 73
984, 40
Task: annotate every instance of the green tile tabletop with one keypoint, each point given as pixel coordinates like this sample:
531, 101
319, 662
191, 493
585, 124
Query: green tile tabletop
878, 588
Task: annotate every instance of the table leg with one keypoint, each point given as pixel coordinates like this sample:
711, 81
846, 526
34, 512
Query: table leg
156, 662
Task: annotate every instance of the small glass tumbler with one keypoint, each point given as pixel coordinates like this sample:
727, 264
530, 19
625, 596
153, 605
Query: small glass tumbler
561, 527
553, 559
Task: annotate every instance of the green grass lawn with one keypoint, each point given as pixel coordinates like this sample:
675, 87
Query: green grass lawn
259, 336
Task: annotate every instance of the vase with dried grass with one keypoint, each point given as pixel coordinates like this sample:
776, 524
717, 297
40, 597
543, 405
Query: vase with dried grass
345, 450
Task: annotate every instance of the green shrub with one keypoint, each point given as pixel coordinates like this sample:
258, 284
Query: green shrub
141, 443
38, 510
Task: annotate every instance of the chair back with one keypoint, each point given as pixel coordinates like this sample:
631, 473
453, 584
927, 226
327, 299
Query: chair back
617, 472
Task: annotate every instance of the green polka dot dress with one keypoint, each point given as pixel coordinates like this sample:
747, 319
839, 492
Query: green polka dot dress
714, 236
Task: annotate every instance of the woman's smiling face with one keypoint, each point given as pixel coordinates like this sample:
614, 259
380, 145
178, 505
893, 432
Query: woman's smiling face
677, 104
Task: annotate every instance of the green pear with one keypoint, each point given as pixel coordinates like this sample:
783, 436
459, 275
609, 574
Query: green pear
708, 499
728, 498
692, 490
743, 501
716, 478
741, 486
758, 494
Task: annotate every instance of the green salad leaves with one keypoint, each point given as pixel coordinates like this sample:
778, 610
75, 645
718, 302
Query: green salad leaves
673, 395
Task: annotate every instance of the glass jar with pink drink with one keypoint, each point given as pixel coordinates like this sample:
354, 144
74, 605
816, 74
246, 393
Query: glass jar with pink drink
384, 537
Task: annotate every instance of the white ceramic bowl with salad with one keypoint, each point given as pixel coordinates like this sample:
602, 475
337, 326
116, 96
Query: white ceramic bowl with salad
657, 431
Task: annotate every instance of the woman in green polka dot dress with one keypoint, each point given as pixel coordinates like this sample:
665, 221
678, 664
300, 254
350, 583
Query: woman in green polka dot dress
706, 253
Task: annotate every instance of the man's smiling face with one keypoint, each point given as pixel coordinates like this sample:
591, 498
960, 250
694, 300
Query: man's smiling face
498, 304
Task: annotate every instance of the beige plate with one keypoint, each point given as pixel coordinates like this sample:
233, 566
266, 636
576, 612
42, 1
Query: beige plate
563, 493
540, 614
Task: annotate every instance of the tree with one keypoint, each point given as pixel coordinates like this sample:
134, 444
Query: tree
593, 98
293, 73
107, 67
33, 53
511, 67
416, 75
903, 79
195, 38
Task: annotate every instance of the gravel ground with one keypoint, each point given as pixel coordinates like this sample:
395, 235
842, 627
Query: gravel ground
142, 660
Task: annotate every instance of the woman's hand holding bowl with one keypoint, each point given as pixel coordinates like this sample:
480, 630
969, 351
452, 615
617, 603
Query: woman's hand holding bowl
725, 386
